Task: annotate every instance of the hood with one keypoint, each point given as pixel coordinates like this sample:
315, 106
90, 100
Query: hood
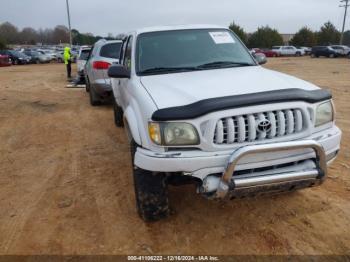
178, 89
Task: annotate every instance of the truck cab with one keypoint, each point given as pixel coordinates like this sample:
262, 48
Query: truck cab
198, 108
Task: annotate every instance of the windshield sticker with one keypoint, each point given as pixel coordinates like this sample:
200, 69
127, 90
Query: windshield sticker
222, 37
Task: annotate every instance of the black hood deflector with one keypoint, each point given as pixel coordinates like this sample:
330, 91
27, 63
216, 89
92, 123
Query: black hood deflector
207, 106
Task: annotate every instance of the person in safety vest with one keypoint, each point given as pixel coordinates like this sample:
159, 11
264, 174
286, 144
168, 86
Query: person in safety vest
67, 58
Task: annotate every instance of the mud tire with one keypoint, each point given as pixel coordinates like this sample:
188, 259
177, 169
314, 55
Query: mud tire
151, 192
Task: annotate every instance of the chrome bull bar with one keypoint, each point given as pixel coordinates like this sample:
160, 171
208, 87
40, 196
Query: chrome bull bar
228, 184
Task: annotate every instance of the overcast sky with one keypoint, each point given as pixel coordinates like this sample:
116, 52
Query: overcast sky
117, 16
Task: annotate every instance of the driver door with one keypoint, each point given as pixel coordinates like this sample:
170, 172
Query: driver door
120, 85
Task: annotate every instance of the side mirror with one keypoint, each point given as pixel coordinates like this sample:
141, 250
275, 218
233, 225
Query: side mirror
260, 58
118, 71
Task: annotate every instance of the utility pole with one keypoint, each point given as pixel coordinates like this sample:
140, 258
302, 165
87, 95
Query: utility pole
345, 14
70, 29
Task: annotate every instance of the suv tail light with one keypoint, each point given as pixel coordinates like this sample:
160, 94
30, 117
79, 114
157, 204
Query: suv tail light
101, 65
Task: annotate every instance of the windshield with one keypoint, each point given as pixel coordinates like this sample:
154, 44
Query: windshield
187, 50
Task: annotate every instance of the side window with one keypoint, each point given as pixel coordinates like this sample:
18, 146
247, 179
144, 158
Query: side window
128, 52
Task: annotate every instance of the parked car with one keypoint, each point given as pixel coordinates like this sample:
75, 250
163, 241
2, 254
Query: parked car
288, 51
60, 56
326, 51
5, 60
37, 57
82, 58
197, 107
266, 52
49, 53
104, 53
307, 50
342, 50
17, 58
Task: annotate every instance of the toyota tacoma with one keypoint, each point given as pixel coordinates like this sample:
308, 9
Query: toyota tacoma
198, 108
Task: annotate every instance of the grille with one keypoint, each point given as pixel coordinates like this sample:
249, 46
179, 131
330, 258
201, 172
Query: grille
244, 128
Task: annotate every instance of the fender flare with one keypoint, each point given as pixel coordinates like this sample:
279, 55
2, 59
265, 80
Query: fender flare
131, 125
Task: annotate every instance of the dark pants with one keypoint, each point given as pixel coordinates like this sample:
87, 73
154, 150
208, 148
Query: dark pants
69, 69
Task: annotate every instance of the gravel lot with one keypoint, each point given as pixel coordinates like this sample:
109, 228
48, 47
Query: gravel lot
66, 188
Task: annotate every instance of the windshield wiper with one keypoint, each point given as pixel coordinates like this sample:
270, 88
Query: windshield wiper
220, 64
167, 69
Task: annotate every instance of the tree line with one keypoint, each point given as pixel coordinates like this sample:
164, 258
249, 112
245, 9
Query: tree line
11, 35
266, 37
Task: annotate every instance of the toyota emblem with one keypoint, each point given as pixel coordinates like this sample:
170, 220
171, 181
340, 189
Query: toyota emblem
264, 126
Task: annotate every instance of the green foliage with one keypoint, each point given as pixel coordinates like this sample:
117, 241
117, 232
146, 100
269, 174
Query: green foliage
347, 38
239, 31
328, 34
87, 39
60, 34
2, 43
304, 37
9, 33
265, 37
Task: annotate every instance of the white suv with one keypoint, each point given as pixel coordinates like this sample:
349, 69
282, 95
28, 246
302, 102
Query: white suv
342, 50
197, 107
288, 51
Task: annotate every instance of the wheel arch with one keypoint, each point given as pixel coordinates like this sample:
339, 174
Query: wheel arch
131, 126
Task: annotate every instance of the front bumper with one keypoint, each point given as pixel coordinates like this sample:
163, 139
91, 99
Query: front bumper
200, 164
216, 169
228, 182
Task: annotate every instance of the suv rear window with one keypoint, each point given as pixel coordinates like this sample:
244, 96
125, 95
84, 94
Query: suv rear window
111, 50
84, 54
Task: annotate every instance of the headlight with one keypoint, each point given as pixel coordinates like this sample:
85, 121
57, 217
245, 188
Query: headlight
173, 134
324, 114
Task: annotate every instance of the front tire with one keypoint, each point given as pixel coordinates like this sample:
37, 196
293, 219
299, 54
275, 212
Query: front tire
151, 192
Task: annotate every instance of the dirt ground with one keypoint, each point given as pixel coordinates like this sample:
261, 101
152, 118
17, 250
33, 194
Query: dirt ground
66, 188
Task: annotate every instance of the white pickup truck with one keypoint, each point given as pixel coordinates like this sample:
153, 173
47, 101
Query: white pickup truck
198, 108
288, 51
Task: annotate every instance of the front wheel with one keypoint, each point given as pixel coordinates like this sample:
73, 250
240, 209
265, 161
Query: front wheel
151, 192
331, 56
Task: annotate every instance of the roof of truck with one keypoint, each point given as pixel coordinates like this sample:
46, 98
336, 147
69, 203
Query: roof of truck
177, 27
